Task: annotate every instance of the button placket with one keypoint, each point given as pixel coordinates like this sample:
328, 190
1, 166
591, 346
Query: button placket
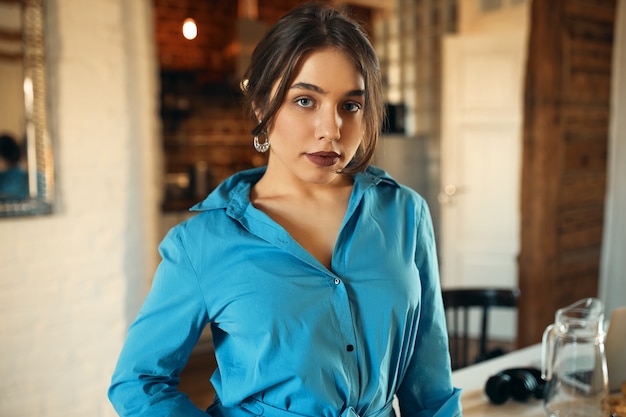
346, 338
347, 315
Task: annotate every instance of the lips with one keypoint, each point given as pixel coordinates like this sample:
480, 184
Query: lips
324, 159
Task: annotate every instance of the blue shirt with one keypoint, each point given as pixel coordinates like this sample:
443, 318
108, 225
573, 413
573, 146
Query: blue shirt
13, 184
293, 338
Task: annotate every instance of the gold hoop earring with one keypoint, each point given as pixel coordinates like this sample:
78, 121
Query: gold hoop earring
262, 147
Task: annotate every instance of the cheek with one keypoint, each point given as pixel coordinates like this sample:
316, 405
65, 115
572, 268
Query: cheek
355, 129
282, 128
290, 125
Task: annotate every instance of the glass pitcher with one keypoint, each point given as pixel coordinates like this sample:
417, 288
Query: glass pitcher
574, 362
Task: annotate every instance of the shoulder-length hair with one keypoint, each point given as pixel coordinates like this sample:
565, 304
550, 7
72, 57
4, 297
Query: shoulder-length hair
304, 30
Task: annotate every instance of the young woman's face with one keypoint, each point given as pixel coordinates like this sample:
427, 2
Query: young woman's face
319, 126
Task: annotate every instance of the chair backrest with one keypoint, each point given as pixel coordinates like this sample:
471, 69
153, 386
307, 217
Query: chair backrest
458, 302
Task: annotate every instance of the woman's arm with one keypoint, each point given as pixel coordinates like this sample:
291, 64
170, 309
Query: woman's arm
159, 342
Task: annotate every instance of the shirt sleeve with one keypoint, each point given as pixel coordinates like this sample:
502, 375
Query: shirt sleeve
426, 389
159, 342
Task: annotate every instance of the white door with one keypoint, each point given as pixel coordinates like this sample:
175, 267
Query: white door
481, 161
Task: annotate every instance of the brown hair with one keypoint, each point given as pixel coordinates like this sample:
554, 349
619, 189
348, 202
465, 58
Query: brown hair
297, 34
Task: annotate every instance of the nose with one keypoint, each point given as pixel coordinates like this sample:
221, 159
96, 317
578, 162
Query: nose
328, 125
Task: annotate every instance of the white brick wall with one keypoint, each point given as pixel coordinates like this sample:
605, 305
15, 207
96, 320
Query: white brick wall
70, 282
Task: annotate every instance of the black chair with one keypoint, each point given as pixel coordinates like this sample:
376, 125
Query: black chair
459, 302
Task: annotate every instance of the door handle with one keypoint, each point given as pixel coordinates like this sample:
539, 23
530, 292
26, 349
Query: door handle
446, 195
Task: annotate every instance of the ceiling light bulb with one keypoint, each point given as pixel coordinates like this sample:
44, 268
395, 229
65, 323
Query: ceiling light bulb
190, 29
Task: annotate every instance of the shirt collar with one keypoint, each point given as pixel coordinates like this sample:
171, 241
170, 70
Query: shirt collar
234, 193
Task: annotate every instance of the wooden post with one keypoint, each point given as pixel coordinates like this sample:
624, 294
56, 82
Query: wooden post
566, 117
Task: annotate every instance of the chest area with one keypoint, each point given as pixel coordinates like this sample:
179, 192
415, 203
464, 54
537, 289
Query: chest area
315, 227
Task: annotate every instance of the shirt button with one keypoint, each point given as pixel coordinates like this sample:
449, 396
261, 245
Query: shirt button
337, 281
350, 348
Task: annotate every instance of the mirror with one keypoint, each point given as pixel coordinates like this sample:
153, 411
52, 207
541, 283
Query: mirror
26, 170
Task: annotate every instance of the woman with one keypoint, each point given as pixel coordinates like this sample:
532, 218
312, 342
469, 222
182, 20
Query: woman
13, 179
317, 273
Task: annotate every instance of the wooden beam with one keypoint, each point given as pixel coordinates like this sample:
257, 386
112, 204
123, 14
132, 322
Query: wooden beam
566, 116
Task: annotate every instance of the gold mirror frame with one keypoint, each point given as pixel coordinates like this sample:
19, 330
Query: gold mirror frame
40, 163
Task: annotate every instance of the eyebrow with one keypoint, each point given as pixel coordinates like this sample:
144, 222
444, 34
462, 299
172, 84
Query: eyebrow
313, 87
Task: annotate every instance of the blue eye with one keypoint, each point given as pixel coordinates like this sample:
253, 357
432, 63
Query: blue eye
352, 107
304, 102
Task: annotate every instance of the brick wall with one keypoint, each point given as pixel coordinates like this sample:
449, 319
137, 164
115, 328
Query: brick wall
213, 52
71, 281
216, 32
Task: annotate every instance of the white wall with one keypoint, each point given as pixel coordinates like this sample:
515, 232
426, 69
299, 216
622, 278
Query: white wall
613, 266
71, 281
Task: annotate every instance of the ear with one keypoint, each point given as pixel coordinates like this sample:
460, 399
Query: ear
257, 111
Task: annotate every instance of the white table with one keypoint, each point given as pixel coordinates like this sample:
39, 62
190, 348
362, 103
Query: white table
472, 380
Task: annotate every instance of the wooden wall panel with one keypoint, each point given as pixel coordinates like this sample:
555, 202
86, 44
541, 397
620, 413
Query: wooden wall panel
566, 116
